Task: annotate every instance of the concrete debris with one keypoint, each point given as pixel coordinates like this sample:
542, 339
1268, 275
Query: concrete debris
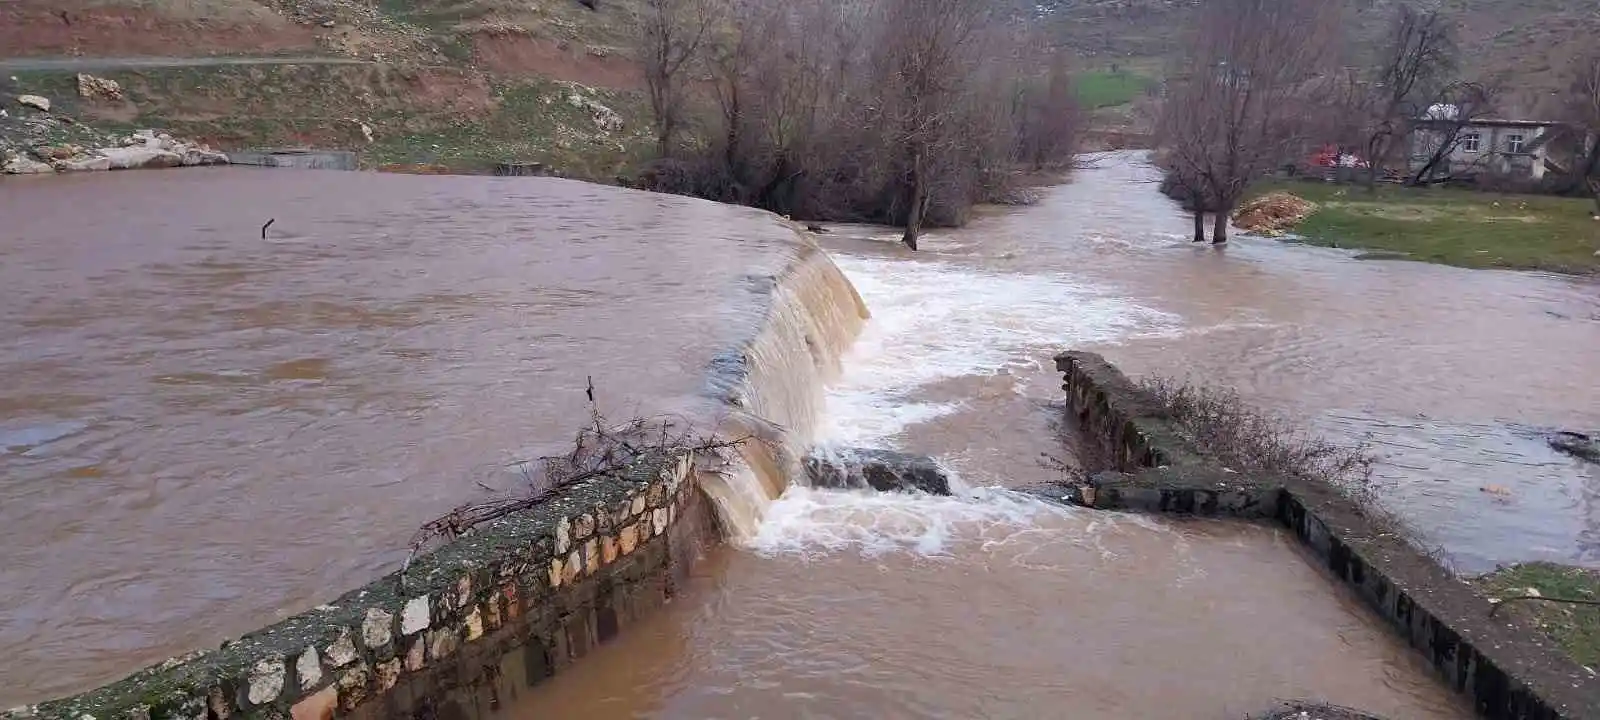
94, 88
1273, 213
34, 101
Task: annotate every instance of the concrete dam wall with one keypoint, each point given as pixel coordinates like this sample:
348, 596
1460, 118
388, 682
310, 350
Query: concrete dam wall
464, 630
1507, 671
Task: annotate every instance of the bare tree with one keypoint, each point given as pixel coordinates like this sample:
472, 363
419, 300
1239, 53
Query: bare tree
1583, 110
1441, 129
1243, 99
671, 36
1417, 60
901, 112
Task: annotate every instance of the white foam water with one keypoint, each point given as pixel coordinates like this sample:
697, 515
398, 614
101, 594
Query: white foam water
931, 321
936, 320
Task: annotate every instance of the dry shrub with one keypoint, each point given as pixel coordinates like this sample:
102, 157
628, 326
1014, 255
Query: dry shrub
1247, 440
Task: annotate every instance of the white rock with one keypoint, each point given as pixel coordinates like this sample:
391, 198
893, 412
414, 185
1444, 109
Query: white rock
309, 668
377, 628
128, 158
414, 618
266, 681
34, 101
84, 164
18, 165
203, 156
342, 651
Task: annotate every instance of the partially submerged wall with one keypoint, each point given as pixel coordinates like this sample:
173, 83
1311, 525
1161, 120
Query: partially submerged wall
1508, 671
462, 632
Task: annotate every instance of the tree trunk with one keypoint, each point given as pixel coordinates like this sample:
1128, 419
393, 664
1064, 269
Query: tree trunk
1219, 229
918, 200
1199, 225
914, 218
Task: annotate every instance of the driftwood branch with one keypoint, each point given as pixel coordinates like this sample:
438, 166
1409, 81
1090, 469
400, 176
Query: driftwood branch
600, 450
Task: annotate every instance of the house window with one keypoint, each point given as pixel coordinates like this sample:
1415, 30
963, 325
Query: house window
1515, 144
1470, 142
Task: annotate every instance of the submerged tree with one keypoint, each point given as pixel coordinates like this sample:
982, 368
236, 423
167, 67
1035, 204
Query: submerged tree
1245, 96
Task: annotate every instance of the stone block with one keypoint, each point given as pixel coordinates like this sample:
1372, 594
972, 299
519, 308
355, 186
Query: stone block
342, 651
354, 686
563, 536
591, 556
558, 573
388, 673
317, 706
637, 506
608, 550
583, 527
659, 521
416, 656
574, 564
474, 625
267, 679
463, 596
415, 617
377, 628
309, 668
628, 539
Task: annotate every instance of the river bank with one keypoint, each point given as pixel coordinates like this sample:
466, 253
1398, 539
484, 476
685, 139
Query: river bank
1450, 227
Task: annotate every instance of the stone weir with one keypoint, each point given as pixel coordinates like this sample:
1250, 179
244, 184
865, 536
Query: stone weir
461, 632
465, 629
1507, 670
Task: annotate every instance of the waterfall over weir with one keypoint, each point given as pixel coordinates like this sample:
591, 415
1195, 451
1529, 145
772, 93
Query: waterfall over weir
774, 384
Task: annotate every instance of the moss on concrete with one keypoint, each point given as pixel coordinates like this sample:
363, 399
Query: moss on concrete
1576, 628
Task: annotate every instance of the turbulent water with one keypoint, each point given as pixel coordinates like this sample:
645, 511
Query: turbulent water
412, 334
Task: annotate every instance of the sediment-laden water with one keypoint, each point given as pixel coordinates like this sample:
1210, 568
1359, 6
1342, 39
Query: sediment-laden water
280, 474
203, 430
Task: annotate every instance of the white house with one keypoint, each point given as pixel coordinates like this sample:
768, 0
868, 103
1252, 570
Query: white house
1515, 148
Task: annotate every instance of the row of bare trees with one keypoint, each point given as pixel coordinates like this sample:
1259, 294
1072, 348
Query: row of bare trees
1262, 82
1238, 101
903, 112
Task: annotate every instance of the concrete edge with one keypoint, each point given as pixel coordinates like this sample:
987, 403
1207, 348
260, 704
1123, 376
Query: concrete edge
1506, 669
359, 647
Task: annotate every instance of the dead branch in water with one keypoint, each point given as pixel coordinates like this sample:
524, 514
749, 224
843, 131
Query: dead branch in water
601, 450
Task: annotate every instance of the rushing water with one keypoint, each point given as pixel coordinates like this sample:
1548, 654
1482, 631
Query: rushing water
213, 429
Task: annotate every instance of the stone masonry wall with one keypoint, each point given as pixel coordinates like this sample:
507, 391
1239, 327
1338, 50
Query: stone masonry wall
461, 633
1507, 670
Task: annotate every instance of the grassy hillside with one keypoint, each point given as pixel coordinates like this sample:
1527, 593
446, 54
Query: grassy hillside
1524, 43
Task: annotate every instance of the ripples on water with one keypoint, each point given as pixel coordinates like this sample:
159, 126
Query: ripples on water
204, 430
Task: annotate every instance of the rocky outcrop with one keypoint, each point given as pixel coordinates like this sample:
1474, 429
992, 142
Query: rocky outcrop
881, 470
144, 149
98, 89
1580, 445
36, 102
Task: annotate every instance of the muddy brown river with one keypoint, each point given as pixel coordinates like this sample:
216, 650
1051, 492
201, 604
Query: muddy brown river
205, 431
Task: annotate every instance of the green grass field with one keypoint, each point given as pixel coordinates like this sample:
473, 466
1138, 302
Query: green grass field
1101, 89
1575, 627
1452, 227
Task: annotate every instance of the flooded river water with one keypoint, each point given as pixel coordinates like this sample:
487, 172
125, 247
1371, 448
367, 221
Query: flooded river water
210, 430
